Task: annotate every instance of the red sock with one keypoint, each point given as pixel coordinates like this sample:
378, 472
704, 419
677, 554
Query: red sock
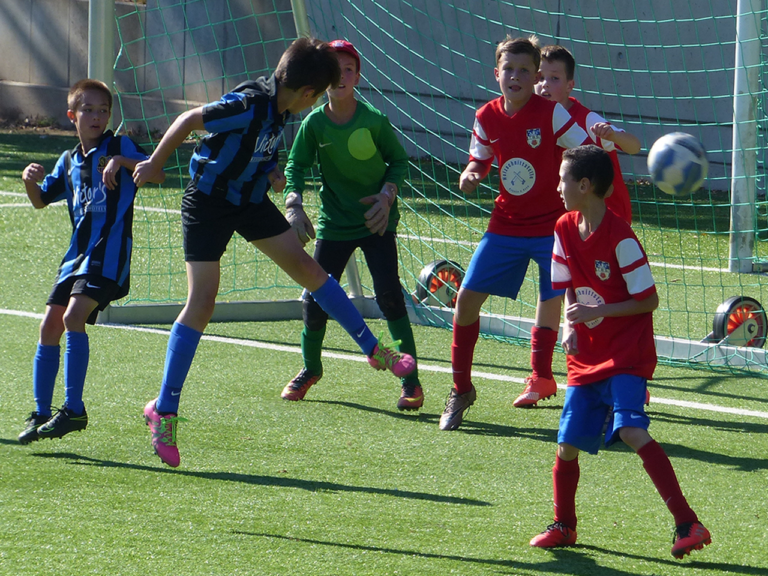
462, 352
543, 342
659, 468
565, 478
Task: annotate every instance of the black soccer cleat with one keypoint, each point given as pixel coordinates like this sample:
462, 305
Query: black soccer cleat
34, 422
62, 423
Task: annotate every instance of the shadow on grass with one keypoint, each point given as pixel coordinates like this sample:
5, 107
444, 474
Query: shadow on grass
468, 426
258, 480
571, 560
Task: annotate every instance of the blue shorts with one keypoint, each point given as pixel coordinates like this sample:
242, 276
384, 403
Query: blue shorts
500, 263
605, 406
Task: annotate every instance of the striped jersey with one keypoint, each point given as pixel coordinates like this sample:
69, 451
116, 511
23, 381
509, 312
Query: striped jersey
618, 201
528, 148
232, 161
102, 219
610, 266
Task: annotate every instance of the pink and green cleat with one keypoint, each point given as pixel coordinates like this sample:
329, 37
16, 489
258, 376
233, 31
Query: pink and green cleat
388, 358
163, 428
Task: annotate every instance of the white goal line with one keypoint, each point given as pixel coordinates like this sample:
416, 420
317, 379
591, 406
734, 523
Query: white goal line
424, 367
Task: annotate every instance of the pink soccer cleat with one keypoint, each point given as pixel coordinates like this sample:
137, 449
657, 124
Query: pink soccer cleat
163, 428
388, 358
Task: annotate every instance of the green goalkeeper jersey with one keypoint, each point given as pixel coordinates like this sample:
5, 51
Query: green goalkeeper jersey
355, 160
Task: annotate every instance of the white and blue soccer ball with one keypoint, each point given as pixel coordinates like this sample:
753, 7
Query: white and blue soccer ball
678, 164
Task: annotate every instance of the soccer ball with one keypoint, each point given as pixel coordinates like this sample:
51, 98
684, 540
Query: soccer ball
678, 164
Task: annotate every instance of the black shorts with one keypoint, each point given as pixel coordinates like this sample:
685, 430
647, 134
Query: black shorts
209, 223
96, 287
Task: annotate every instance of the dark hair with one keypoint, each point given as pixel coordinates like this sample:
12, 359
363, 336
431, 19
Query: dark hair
309, 62
76, 92
557, 53
592, 163
528, 46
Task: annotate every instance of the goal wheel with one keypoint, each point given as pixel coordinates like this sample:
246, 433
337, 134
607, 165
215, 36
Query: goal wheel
439, 283
741, 321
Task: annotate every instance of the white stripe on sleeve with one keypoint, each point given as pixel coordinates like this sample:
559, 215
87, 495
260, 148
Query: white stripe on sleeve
560, 272
476, 147
628, 252
639, 280
572, 137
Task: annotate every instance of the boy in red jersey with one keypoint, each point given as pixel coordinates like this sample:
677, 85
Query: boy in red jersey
556, 83
526, 134
608, 338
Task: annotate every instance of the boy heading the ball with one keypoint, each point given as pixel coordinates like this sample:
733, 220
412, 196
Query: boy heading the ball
610, 297
232, 169
362, 165
95, 180
526, 134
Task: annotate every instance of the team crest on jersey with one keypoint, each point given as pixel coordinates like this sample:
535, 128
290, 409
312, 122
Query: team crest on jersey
602, 270
103, 161
534, 137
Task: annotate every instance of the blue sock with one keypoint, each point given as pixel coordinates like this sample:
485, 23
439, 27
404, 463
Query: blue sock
76, 356
332, 298
44, 371
182, 345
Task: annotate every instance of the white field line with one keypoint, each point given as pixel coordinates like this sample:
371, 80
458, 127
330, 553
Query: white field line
423, 367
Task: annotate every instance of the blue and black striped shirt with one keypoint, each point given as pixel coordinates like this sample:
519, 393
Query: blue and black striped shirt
102, 219
245, 129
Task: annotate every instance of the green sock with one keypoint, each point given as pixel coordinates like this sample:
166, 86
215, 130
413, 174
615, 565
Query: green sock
401, 330
312, 349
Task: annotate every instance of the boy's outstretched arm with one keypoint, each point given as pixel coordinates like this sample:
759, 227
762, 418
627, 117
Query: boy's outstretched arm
628, 143
181, 128
33, 174
472, 175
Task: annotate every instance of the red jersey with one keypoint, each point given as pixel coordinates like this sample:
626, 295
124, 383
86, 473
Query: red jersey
618, 201
608, 267
528, 148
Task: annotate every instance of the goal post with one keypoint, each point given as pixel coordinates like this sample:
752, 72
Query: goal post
651, 68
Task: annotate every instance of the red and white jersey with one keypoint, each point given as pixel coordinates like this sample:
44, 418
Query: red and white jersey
618, 201
608, 267
528, 147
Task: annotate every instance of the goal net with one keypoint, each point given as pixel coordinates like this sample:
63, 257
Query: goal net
649, 67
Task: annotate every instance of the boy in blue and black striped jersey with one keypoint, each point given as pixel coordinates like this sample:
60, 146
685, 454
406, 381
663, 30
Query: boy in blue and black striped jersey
232, 169
95, 180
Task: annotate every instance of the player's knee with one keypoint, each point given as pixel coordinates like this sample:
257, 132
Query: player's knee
315, 318
633, 437
567, 451
392, 304
51, 329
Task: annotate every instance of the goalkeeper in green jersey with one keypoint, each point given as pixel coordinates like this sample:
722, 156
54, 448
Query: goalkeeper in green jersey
362, 164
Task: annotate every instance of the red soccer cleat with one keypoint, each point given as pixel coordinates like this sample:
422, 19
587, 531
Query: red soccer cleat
688, 537
556, 535
536, 388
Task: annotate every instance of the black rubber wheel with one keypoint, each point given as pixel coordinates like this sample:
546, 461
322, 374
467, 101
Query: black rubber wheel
742, 320
439, 283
